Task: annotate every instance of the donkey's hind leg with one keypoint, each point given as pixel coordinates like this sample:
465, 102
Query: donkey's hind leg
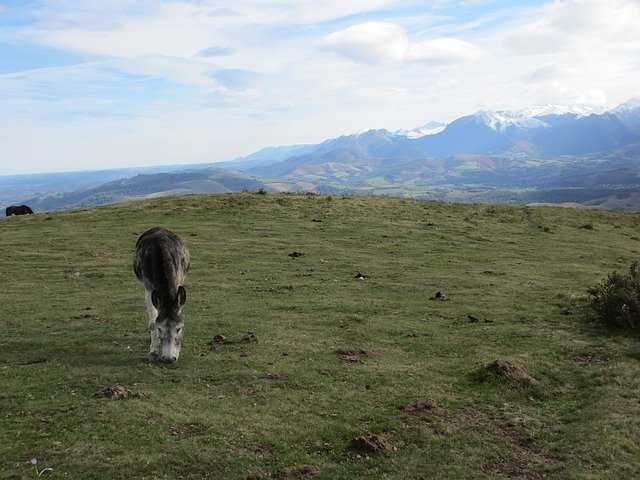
154, 350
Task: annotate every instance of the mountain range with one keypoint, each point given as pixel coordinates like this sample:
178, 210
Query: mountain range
552, 153
543, 133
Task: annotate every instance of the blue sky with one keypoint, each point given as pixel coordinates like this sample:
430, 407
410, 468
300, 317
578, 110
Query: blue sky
109, 84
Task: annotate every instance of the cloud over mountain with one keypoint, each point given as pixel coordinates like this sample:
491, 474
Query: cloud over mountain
381, 42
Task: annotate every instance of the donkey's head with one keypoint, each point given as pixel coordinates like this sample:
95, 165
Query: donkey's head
169, 325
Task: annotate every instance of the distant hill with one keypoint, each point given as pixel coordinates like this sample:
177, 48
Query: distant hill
149, 186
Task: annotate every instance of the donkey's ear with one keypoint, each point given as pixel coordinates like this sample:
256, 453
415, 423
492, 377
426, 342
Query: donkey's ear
155, 299
182, 295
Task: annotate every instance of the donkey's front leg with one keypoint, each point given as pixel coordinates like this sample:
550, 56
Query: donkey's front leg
154, 349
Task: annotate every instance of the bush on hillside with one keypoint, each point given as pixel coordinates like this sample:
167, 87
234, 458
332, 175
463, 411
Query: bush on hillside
616, 301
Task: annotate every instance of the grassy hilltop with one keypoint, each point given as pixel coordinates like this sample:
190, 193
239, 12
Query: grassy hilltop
336, 357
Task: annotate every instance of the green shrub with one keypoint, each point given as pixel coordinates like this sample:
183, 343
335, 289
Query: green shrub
616, 301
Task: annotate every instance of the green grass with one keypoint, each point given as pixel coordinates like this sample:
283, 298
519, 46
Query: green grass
73, 322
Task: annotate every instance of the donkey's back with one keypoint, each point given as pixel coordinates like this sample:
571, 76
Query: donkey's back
161, 260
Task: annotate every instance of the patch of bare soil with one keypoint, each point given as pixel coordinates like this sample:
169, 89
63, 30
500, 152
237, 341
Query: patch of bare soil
250, 337
352, 355
521, 442
117, 393
524, 457
280, 289
371, 444
187, 431
259, 451
529, 461
219, 339
299, 471
276, 376
88, 316
422, 407
512, 372
594, 356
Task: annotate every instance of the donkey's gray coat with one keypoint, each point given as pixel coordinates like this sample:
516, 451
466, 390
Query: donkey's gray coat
161, 263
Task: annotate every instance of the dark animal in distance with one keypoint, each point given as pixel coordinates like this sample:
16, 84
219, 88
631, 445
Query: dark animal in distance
161, 263
18, 210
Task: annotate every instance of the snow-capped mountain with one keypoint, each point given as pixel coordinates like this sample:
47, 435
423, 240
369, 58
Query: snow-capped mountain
578, 110
504, 121
629, 113
542, 132
430, 128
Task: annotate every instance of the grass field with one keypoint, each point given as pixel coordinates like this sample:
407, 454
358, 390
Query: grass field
332, 357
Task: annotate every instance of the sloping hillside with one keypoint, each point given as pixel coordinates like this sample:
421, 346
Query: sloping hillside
149, 186
405, 339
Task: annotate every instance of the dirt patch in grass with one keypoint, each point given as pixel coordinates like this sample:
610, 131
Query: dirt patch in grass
219, 339
117, 393
256, 450
521, 456
250, 337
513, 373
521, 442
352, 355
298, 471
529, 460
370, 444
423, 407
188, 431
596, 355
280, 289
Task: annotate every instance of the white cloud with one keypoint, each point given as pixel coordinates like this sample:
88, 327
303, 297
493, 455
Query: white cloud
372, 42
176, 30
565, 93
302, 12
443, 51
381, 42
563, 25
174, 69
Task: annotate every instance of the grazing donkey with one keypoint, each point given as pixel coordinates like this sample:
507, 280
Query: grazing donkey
161, 263
18, 210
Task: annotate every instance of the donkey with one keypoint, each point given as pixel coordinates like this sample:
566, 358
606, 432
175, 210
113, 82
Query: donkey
161, 263
18, 210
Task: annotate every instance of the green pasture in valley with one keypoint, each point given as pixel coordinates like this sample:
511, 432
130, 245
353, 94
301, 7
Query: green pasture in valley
340, 363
